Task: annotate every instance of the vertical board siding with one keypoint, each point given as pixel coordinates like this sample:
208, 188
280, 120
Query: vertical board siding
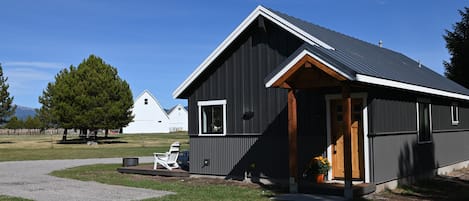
392, 116
311, 108
451, 148
464, 117
397, 156
233, 156
396, 153
238, 76
441, 118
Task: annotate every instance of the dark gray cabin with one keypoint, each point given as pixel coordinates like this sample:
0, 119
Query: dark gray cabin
405, 119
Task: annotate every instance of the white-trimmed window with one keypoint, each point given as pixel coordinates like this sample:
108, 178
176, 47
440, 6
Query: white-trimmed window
212, 117
424, 121
454, 114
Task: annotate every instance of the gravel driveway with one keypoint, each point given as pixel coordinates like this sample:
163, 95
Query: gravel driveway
29, 179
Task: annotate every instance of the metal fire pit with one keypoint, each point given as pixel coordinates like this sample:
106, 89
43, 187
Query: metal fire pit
127, 162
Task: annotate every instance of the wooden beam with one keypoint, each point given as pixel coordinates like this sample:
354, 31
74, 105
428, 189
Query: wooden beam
347, 105
307, 62
324, 68
292, 141
290, 72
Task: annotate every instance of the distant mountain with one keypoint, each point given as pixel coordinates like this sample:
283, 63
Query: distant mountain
23, 112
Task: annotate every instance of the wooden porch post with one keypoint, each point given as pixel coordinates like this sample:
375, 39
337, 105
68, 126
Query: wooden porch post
292, 141
347, 105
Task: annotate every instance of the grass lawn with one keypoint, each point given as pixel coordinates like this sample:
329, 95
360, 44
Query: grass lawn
437, 188
186, 188
42, 147
8, 198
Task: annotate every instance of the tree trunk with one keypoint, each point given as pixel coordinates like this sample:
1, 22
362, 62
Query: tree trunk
106, 131
64, 136
85, 131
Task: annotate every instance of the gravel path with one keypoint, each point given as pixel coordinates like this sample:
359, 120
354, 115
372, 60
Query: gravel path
29, 179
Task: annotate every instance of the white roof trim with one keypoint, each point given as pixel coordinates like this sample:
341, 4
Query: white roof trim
295, 60
246, 22
366, 79
154, 98
174, 108
410, 87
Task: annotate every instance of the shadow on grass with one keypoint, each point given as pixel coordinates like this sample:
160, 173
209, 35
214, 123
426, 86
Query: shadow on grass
99, 140
6, 142
436, 188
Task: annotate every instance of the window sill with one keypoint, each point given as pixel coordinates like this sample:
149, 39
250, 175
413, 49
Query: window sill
211, 135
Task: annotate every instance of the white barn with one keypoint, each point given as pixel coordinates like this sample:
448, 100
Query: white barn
178, 118
150, 117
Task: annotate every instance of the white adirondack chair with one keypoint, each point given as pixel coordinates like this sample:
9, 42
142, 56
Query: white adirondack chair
168, 159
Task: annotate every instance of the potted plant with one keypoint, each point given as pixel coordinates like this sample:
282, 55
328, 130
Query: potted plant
316, 169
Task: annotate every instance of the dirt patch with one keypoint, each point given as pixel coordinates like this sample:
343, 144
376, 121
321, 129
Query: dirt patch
454, 186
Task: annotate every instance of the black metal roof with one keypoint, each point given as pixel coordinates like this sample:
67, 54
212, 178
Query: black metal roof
357, 56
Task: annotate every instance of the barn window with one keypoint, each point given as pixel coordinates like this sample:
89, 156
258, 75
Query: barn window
145, 101
454, 114
424, 120
212, 117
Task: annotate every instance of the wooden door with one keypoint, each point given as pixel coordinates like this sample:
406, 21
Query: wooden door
337, 139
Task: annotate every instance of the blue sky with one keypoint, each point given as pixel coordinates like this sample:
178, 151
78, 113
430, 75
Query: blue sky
155, 45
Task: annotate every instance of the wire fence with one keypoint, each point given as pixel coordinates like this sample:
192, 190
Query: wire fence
25, 131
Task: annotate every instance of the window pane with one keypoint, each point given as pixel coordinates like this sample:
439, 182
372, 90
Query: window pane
217, 119
206, 119
424, 122
454, 113
212, 119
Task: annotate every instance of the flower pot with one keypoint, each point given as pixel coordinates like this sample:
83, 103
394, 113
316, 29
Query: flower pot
320, 178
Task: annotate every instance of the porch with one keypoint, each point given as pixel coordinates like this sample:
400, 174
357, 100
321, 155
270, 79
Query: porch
346, 125
335, 188
148, 170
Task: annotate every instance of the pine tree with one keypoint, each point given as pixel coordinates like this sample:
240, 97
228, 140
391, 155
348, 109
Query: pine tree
14, 123
7, 109
57, 108
89, 96
457, 43
44, 114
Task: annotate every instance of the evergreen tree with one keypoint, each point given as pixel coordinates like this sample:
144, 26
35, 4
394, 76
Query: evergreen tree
44, 114
7, 109
457, 43
32, 122
90, 96
14, 123
105, 98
